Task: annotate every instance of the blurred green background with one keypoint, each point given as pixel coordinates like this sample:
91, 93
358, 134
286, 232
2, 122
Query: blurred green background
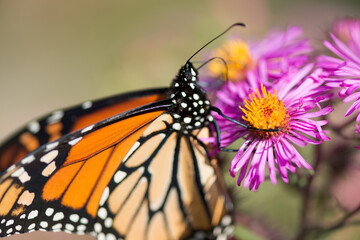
55, 54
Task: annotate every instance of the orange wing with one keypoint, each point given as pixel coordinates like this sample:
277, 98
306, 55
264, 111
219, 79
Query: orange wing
61, 122
58, 186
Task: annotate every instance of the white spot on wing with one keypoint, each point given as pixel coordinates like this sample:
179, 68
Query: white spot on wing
49, 212
55, 117
132, 149
75, 141
97, 227
24, 177
86, 105
34, 127
58, 216
51, 146
44, 224
74, 218
88, 128
110, 236
108, 222
10, 222
47, 158
102, 213
28, 159
18, 172
119, 176
33, 214
104, 196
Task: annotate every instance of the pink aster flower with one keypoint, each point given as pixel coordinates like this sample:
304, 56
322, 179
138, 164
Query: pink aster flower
275, 56
343, 71
288, 106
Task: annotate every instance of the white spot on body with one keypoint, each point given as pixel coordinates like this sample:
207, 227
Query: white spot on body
58, 216
187, 120
226, 220
196, 96
47, 158
22, 216
210, 118
2, 221
202, 111
176, 115
9, 231
33, 214
74, 141
176, 84
34, 127
87, 105
18, 227
176, 126
193, 72
192, 85
195, 104
183, 94
87, 129
184, 105
197, 124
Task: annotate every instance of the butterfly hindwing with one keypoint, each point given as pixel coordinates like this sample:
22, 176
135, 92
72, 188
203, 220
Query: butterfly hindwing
165, 188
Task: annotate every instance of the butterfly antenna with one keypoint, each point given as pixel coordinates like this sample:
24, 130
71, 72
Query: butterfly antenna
221, 59
234, 25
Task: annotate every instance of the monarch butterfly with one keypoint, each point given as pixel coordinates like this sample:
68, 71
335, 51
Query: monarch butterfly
131, 166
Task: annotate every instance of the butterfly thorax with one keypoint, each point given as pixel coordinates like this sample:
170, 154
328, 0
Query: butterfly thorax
192, 107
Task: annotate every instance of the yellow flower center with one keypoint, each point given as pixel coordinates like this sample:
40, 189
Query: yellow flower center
237, 57
265, 112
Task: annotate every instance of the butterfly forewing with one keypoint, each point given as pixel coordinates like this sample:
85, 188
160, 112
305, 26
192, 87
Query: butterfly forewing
52, 184
61, 122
